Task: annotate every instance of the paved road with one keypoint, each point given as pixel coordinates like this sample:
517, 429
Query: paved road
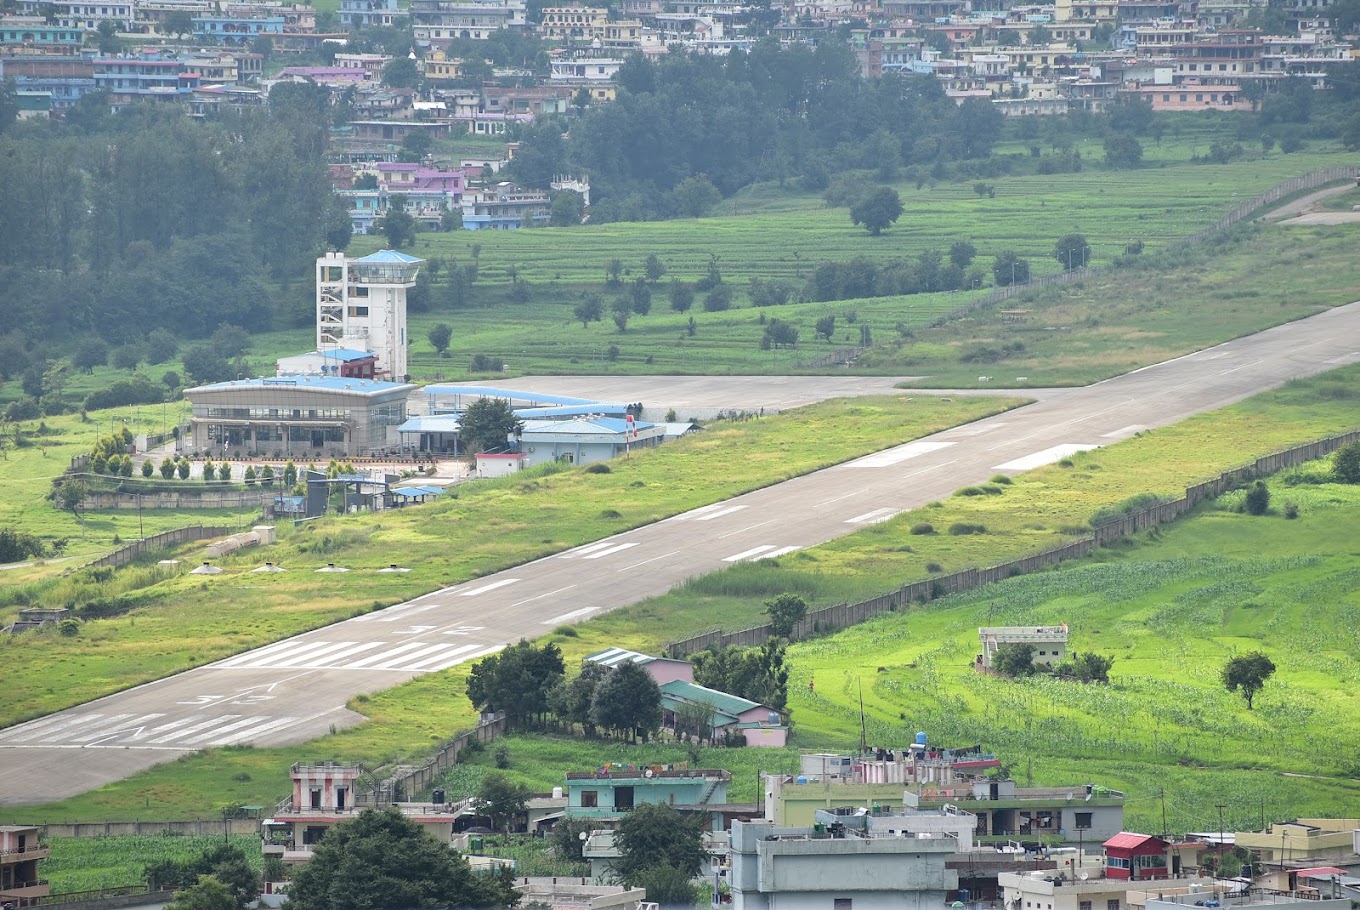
296, 689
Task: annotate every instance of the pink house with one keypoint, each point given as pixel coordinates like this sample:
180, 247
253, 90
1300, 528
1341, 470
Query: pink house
661, 669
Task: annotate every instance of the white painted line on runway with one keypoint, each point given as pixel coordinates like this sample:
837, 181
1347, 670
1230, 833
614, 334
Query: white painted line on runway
384, 656
696, 513
192, 718
541, 596
872, 518
283, 655
1124, 431
645, 561
34, 728
617, 548
211, 722
85, 728
254, 731
1046, 456
582, 551
132, 726
747, 554
782, 551
398, 663
1344, 358
828, 502
441, 656
477, 655
257, 653
977, 430
332, 659
720, 513
225, 728
491, 587
567, 617
328, 652
890, 457
747, 528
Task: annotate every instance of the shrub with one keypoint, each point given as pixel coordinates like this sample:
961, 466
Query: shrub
502, 756
969, 491
69, 628
934, 567
1001, 479
610, 513
1346, 463
1258, 499
924, 527
566, 632
1135, 503
598, 467
487, 363
959, 528
1291, 510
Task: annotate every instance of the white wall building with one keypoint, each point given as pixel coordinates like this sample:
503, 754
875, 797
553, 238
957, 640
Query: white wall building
361, 305
890, 862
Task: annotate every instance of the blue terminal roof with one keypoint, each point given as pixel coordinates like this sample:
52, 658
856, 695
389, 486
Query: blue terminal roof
389, 257
439, 423
413, 492
345, 354
604, 426
508, 394
573, 410
331, 383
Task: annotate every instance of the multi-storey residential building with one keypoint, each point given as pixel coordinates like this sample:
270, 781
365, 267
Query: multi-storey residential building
1048, 643
437, 22
33, 35
63, 79
236, 30
369, 13
151, 15
504, 207
579, 24
129, 79
20, 851
84, 14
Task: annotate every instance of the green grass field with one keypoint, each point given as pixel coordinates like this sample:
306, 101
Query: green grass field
90, 863
1041, 508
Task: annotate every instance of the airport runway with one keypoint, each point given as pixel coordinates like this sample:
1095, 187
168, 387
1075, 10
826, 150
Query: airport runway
295, 690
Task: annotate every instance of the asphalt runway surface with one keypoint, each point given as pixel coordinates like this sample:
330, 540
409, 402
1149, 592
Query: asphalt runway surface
295, 690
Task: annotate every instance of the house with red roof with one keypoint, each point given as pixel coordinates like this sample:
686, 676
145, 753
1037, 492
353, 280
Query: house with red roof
1136, 857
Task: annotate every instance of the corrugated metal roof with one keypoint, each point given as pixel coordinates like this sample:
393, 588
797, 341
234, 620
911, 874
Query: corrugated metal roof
389, 257
600, 426
1321, 872
491, 391
720, 701
329, 383
1125, 840
612, 657
439, 423
573, 410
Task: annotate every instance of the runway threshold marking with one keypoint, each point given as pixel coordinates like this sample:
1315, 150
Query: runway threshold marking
617, 548
747, 554
491, 587
1045, 456
872, 518
568, 617
890, 457
782, 551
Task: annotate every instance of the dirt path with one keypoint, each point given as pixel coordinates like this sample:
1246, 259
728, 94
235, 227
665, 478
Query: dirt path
1304, 209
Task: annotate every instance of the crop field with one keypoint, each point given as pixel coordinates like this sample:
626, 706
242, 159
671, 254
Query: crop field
177, 620
1040, 508
1170, 609
90, 863
775, 234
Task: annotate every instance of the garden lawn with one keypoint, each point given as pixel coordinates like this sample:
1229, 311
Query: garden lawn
91, 863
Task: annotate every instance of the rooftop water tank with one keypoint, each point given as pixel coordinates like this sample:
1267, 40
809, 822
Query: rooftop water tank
920, 739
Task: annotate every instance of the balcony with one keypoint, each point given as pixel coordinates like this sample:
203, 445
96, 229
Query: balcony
36, 888
33, 851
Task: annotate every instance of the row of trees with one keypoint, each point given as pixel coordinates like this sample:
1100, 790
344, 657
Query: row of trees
691, 128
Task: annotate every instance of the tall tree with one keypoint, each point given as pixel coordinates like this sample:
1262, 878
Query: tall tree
654, 835
517, 681
488, 425
383, 860
877, 210
628, 699
1247, 674
502, 800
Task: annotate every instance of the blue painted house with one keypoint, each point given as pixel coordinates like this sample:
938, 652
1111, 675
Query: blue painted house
610, 792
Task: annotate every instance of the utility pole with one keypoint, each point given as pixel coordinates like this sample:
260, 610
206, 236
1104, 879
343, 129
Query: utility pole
1161, 794
1219, 865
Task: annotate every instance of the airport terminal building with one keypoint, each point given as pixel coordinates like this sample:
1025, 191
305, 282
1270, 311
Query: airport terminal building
307, 417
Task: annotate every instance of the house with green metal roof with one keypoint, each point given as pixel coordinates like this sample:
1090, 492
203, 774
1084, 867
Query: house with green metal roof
730, 714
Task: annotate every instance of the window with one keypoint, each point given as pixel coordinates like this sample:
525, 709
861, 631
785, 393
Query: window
1084, 819
1116, 862
1112, 904
590, 799
840, 903
1084, 905
316, 797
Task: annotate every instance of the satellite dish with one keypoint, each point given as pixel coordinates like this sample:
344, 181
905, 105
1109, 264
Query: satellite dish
1084, 876
648, 773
